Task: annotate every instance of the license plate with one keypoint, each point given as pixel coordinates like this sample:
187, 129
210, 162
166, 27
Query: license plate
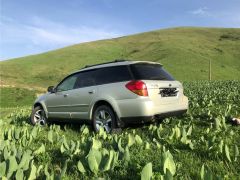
168, 92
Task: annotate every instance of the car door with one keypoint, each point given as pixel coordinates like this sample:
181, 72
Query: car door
84, 92
58, 103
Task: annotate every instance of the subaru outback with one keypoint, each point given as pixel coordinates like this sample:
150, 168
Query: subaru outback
112, 95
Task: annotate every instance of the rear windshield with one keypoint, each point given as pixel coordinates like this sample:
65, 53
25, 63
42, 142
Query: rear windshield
150, 72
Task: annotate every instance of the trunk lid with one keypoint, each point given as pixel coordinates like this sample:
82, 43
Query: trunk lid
164, 92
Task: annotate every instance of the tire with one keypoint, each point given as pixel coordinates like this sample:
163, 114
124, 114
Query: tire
103, 116
38, 116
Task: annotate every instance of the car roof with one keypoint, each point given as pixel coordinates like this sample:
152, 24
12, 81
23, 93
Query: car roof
114, 63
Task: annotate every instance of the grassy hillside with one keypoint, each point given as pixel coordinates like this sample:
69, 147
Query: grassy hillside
183, 51
13, 97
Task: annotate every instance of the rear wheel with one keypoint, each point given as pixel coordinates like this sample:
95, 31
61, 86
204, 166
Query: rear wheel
38, 116
103, 116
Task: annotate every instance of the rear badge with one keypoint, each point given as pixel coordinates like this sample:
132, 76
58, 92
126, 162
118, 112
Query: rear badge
170, 85
154, 86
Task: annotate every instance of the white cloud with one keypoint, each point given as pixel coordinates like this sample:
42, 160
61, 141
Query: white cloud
44, 34
202, 11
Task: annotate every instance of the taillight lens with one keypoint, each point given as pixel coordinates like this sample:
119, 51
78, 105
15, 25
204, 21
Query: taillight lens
137, 87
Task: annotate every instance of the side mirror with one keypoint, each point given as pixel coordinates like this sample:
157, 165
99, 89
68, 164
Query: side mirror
51, 89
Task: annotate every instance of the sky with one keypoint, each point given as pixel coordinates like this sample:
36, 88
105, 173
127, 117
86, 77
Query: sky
35, 26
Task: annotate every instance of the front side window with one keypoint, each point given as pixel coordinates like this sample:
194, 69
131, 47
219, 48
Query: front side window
68, 83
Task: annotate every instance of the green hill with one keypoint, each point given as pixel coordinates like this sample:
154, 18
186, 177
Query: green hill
183, 51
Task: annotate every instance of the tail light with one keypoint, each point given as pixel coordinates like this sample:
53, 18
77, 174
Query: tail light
137, 87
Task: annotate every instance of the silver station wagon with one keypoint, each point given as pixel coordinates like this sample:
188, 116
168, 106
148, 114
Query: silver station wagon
112, 95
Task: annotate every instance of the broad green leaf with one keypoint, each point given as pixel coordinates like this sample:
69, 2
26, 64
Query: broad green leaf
107, 165
190, 144
33, 172
220, 146
96, 144
40, 150
81, 167
9, 134
50, 136
39, 169
184, 136
177, 132
217, 124
206, 173
131, 140
2, 169
85, 130
115, 159
12, 166
168, 175
105, 152
159, 133
168, 163
147, 146
126, 156
189, 132
25, 160
102, 133
19, 175
138, 139
77, 150
120, 148
46, 171
227, 152
202, 173
150, 127
146, 173
65, 144
34, 132
6, 154
73, 146
94, 158
17, 134
223, 123
64, 169
62, 149
236, 152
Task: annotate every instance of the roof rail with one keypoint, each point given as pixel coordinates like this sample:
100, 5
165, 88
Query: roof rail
115, 61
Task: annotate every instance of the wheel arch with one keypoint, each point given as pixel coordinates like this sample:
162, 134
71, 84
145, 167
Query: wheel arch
109, 103
36, 104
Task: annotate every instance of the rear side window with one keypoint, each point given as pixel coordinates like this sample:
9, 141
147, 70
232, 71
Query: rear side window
85, 79
112, 74
150, 72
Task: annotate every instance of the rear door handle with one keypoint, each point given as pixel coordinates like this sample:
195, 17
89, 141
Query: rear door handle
91, 92
65, 95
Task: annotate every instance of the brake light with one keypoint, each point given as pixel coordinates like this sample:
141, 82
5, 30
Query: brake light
137, 87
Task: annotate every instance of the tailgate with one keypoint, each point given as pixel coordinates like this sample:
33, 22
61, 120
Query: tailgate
164, 92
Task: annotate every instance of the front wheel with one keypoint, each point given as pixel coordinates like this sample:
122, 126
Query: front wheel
103, 116
38, 116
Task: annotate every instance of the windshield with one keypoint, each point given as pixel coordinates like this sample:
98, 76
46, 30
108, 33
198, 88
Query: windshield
146, 71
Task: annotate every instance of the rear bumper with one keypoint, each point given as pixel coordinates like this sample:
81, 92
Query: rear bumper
145, 119
144, 110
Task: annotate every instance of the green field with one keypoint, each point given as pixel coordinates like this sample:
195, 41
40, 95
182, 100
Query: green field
199, 145
184, 52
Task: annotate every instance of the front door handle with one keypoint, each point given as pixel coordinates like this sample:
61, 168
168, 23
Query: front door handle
65, 95
91, 92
